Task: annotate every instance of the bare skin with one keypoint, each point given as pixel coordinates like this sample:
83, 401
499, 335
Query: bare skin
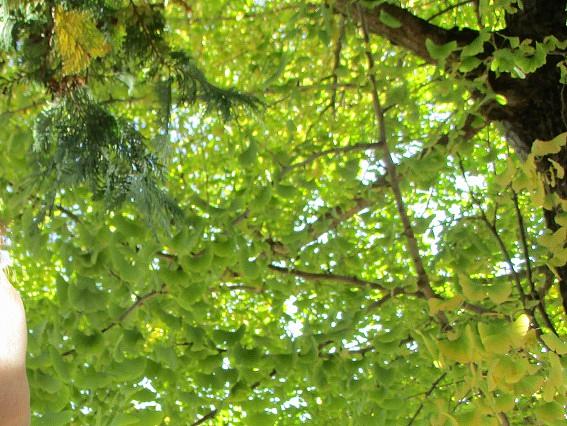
14, 390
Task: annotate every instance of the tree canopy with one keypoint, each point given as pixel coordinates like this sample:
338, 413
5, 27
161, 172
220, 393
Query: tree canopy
258, 212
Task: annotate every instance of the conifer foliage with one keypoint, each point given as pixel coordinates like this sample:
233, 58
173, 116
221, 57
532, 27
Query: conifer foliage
78, 140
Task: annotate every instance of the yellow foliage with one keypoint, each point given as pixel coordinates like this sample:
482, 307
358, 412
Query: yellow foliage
541, 148
78, 40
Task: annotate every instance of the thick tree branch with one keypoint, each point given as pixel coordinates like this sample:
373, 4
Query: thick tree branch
411, 34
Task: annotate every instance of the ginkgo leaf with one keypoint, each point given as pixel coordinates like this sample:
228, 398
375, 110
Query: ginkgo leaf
472, 292
466, 348
495, 336
78, 40
553, 146
440, 52
550, 412
509, 370
499, 292
555, 343
519, 330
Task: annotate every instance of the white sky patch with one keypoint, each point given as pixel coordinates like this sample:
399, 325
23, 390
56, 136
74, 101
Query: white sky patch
296, 402
293, 328
5, 259
147, 384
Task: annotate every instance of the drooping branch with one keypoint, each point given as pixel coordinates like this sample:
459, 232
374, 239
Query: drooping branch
525, 250
337, 61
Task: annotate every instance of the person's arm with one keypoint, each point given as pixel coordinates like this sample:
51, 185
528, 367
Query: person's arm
14, 390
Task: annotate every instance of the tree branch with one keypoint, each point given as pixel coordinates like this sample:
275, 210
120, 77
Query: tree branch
429, 392
337, 150
140, 300
337, 61
448, 9
523, 239
411, 34
354, 281
423, 282
339, 214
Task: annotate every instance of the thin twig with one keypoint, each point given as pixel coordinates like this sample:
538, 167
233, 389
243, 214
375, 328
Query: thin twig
505, 253
209, 416
429, 392
422, 278
394, 292
337, 150
524, 241
337, 61
69, 213
140, 300
503, 419
138, 303
448, 9
328, 277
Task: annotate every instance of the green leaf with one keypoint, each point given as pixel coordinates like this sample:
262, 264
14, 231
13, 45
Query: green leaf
249, 155
52, 419
261, 419
472, 292
499, 292
555, 343
550, 412
464, 349
124, 420
90, 379
442, 51
149, 418
495, 336
476, 46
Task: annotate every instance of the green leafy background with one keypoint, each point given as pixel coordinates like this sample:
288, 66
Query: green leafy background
283, 292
